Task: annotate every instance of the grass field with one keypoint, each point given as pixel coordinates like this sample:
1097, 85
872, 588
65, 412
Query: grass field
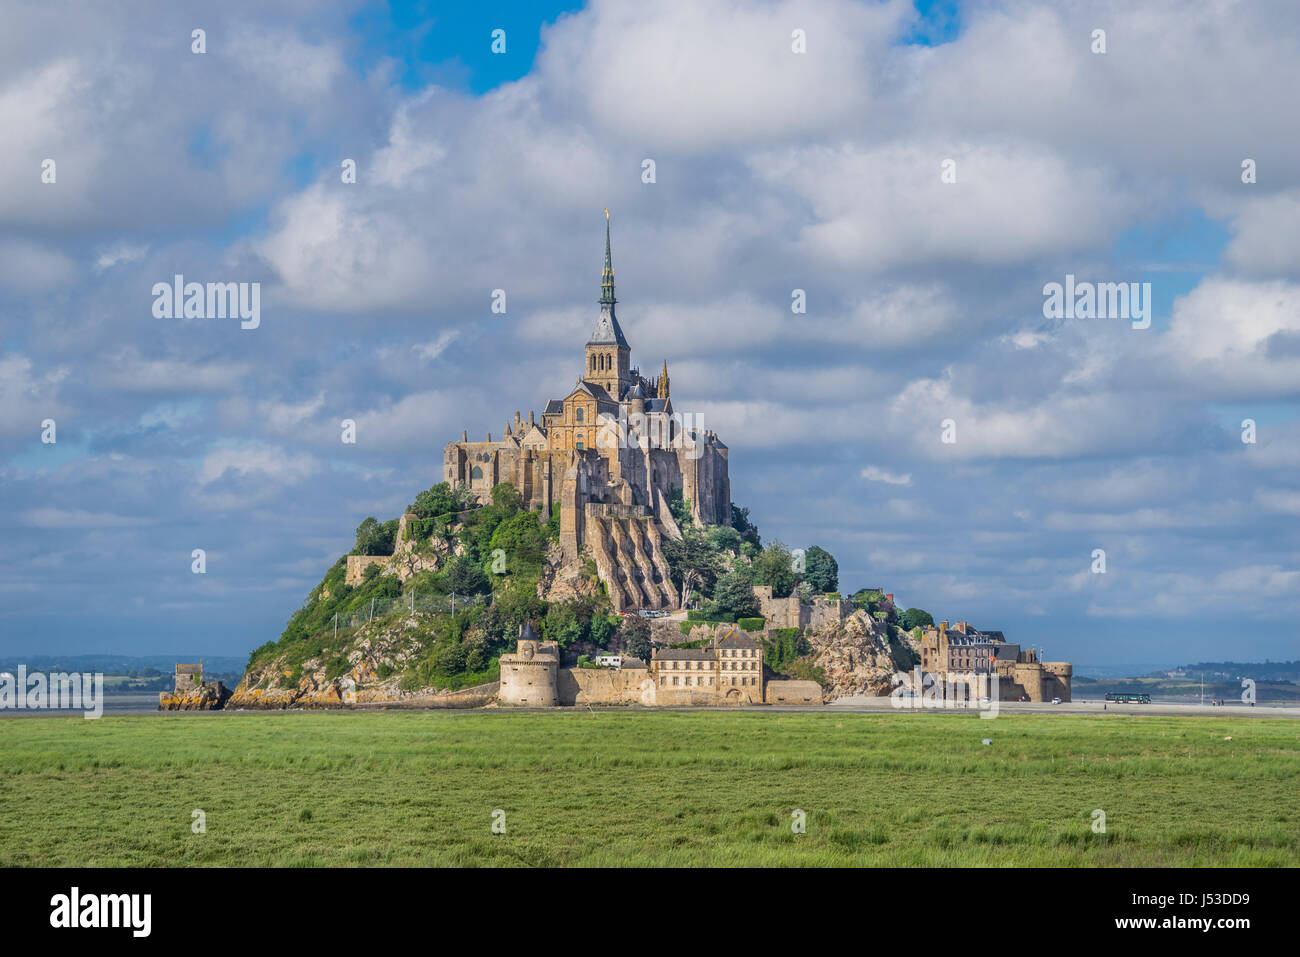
648, 788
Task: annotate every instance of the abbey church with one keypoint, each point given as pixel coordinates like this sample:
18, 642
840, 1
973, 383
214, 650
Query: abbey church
609, 453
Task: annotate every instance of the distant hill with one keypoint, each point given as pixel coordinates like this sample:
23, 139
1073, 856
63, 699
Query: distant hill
113, 664
1236, 670
1188, 688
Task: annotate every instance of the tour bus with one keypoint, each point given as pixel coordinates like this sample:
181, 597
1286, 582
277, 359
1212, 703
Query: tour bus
1125, 698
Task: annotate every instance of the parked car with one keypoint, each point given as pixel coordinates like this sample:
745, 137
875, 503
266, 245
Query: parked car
1056, 701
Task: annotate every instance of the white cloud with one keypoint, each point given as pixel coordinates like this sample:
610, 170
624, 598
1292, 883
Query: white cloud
265, 463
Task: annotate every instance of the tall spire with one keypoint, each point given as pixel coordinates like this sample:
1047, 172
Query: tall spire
607, 331
607, 275
663, 382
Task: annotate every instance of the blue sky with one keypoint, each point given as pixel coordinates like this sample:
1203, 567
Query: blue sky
775, 171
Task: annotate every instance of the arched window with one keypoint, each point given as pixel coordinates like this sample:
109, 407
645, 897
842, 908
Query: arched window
478, 472
593, 363
579, 410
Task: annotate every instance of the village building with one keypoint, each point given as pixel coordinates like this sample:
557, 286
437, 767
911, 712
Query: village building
963, 653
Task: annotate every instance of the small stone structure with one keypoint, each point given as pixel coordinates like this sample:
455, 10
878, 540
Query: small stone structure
192, 693
794, 692
188, 677
528, 677
790, 612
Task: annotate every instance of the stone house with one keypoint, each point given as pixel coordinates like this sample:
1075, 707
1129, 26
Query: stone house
963, 650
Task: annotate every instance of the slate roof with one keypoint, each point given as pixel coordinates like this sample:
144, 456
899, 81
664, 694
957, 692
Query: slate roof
608, 332
973, 638
737, 639
684, 654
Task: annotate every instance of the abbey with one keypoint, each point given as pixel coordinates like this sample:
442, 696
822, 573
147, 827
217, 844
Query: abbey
609, 454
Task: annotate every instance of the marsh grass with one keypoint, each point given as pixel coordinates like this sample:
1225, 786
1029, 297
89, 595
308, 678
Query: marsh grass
648, 788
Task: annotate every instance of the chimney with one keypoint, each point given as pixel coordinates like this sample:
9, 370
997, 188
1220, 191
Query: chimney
464, 435
530, 417
489, 438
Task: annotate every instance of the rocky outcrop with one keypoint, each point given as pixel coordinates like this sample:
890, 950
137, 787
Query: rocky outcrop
858, 657
380, 648
566, 581
209, 696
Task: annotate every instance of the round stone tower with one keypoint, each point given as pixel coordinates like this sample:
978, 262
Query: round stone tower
529, 676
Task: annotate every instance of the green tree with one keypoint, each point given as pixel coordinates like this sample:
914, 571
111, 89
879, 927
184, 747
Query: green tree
741, 523
734, 596
562, 624
775, 566
601, 630
522, 539
505, 496
438, 500
693, 553
914, 618
680, 507
724, 538
634, 635
374, 538
464, 577
465, 496
821, 570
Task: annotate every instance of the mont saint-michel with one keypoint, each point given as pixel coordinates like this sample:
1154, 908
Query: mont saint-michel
591, 554
609, 454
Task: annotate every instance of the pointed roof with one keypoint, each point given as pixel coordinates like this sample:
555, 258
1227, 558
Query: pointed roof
607, 331
607, 274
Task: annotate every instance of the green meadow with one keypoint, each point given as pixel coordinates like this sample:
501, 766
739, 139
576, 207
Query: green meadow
709, 788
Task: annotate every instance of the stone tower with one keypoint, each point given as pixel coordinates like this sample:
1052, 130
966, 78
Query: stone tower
528, 677
608, 354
